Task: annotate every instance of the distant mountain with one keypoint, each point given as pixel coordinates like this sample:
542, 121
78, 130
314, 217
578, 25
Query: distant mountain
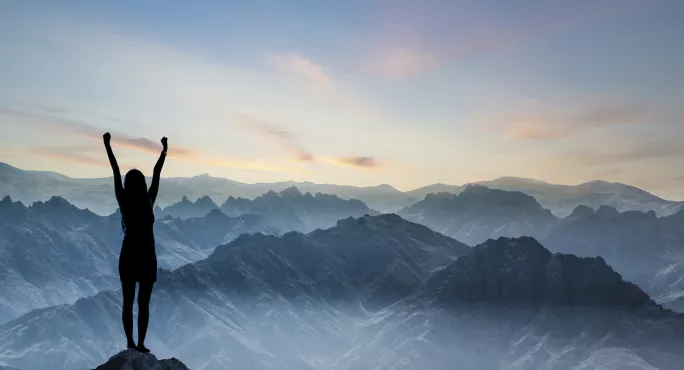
187, 209
96, 194
370, 293
52, 252
479, 213
293, 211
563, 199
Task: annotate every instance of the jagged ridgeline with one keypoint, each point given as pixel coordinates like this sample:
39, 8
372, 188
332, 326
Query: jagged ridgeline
373, 292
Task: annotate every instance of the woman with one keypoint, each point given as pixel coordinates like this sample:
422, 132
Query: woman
138, 260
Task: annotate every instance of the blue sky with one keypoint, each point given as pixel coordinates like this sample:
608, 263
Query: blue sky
350, 92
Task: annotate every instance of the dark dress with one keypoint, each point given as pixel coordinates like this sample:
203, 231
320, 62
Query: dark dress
138, 259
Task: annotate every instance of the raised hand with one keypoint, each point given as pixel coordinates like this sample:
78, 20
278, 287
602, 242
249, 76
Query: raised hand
107, 138
163, 141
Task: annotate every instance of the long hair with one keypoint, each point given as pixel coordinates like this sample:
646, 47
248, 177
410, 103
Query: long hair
136, 207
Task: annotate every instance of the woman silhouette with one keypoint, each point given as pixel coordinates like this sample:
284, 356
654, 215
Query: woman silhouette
138, 260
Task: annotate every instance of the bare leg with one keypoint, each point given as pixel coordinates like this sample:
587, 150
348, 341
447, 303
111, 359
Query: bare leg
144, 295
128, 290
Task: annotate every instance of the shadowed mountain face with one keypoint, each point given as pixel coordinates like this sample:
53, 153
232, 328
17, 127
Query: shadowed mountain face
369, 293
53, 252
506, 271
479, 213
642, 247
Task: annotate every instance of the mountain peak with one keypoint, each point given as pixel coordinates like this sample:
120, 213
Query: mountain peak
520, 270
291, 192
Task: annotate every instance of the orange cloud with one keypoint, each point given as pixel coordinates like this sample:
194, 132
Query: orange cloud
41, 119
72, 155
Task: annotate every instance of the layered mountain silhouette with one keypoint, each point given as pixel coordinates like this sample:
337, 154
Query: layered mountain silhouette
288, 210
187, 209
292, 210
371, 292
479, 213
52, 252
96, 194
563, 199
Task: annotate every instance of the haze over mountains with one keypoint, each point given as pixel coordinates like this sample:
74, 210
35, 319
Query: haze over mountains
95, 194
371, 292
472, 278
53, 252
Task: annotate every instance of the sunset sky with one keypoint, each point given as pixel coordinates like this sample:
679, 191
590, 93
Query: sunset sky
406, 93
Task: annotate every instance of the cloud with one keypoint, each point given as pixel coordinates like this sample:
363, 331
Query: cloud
59, 119
356, 162
41, 120
553, 125
320, 82
71, 155
298, 65
278, 135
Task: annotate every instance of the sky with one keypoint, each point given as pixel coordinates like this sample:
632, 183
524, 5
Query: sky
406, 93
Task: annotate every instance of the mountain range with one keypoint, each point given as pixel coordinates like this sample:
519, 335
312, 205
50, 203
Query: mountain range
288, 210
53, 252
373, 292
96, 194
645, 248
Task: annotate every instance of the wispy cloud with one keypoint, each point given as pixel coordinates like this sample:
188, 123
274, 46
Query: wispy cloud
41, 120
276, 134
72, 155
356, 162
549, 124
320, 82
59, 119
299, 65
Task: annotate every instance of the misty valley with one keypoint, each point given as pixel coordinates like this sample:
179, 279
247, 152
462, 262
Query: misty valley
483, 276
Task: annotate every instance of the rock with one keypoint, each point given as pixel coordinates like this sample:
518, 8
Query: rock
131, 359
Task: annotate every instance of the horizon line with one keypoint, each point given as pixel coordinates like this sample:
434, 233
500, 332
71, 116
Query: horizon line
354, 186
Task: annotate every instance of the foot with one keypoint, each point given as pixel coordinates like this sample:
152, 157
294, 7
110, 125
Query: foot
131, 344
141, 347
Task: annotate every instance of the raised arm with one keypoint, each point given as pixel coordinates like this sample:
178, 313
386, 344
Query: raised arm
154, 188
118, 186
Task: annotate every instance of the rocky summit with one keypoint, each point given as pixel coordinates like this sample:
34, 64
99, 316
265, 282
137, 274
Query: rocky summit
131, 359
